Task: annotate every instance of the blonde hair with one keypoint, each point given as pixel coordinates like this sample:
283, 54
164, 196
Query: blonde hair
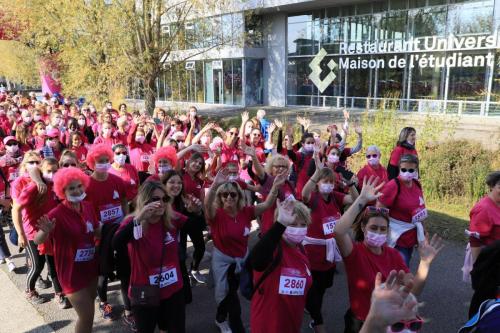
224, 188
299, 209
145, 194
271, 161
29, 155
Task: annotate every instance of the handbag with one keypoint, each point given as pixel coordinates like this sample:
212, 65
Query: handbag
148, 295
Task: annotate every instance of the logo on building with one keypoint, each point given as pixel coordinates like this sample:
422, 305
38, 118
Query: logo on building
317, 71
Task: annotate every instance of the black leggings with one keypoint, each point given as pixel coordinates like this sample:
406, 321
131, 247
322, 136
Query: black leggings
194, 227
37, 263
51, 267
322, 280
230, 305
352, 324
170, 316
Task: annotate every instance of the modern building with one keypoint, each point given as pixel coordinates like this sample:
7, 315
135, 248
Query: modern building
441, 55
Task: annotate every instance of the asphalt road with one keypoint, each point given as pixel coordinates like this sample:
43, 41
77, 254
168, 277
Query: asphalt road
446, 300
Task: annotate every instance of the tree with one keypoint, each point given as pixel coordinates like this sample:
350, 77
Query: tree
100, 45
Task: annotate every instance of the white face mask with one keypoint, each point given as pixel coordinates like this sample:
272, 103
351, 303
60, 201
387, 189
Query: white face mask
120, 159
326, 188
37, 118
106, 132
309, 147
12, 149
140, 139
163, 169
295, 235
48, 177
204, 140
180, 145
374, 161
81, 122
333, 158
27, 119
76, 199
407, 176
102, 167
233, 178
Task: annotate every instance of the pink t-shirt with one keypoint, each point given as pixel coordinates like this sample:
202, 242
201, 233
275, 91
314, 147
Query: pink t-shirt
106, 196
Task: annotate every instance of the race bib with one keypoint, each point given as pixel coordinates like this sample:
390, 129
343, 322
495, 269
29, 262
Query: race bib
111, 212
85, 254
329, 225
164, 279
419, 215
145, 158
292, 285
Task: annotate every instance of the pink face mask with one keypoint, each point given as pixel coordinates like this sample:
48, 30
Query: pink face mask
295, 235
374, 161
375, 239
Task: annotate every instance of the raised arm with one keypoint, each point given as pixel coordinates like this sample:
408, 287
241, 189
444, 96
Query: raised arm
428, 252
273, 194
244, 119
209, 203
250, 151
311, 183
368, 193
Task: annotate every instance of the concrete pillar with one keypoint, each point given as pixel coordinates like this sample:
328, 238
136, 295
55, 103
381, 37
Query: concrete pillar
275, 66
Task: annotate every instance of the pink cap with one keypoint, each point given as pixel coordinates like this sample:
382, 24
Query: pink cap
53, 133
9, 138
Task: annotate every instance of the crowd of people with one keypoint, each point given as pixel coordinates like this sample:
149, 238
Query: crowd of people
114, 194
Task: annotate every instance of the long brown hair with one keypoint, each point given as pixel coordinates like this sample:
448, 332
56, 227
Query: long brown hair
145, 194
362, 221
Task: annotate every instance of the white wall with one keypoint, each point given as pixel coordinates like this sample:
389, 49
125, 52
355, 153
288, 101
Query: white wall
275, 64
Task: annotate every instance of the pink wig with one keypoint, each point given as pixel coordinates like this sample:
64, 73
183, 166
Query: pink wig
97, 151
64, 176
167, 153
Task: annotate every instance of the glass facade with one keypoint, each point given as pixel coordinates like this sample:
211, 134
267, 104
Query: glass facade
410, 50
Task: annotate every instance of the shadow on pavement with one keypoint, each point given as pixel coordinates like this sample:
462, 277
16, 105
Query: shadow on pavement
56, 325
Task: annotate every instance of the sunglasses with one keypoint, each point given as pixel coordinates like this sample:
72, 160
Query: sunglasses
226, 194
67, 165
121, 153
407, 170
33, 162
372, 156
373, 209
11, 143
414, 325
155, 199
280, 166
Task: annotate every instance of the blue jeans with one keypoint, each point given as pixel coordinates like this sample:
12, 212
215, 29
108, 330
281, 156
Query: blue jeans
406, 253
4, 248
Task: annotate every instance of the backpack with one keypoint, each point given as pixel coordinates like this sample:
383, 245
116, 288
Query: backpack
247, 288
486, 320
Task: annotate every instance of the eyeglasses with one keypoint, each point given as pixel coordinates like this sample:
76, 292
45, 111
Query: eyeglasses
67, 165
372, 156
155, 199
414, 325
407, 170
226, 194
121, 153
33, 162
373, 209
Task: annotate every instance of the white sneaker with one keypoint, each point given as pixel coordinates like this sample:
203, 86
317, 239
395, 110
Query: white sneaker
224, 326
200, 278
10, 265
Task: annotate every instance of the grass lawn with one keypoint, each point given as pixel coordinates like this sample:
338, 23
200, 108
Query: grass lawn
449, 220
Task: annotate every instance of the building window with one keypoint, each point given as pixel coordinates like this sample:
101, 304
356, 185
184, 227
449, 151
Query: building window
253, 31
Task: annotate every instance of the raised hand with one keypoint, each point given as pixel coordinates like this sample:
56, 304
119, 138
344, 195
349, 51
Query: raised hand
221, 177
358, 129
391, 302
271, 128
286, 216
199, 148
148, 211
193, 204
370, 190
280, 179
45, 224
429, 250
244, 117
248, 150
278, 123
346, 114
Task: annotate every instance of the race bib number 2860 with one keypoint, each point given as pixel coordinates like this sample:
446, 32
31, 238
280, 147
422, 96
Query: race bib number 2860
292, 285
